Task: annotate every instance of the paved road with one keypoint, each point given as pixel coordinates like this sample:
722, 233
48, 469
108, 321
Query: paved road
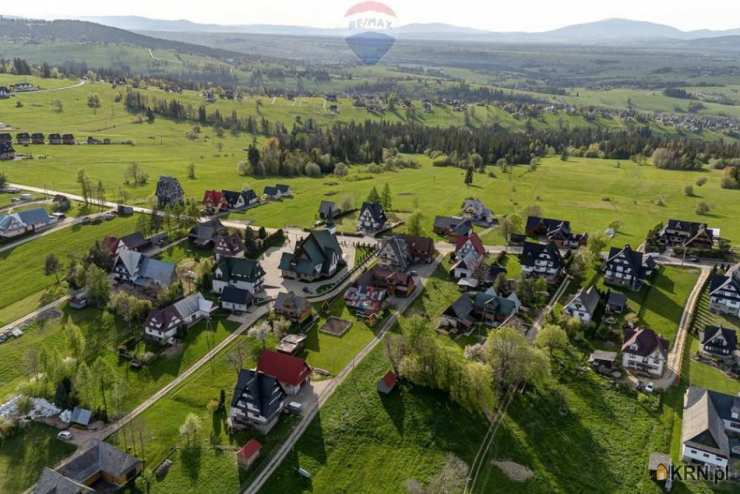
34, 314
81, 83
424, 273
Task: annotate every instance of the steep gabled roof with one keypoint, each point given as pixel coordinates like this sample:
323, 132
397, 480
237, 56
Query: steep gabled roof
285, 368
532, 251
376, 211
646, 341
100, 457
52, 482
259, 391
729, 336
589, 298
289, 301
233, 295
702, 425
474, 239
241, 268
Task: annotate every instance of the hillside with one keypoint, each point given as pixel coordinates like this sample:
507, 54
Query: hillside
61, 31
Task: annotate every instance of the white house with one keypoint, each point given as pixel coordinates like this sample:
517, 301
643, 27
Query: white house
644, 351
163, 325
239, 272
709, 420
541, 260
372, 218
724, 293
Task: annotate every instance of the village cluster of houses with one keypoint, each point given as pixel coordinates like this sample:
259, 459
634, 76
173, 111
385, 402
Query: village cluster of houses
7, 151
228, 200
392, 276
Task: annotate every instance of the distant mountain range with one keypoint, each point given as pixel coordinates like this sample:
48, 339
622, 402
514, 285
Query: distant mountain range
609, 31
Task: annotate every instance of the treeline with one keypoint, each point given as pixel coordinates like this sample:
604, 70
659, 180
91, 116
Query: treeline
365, 142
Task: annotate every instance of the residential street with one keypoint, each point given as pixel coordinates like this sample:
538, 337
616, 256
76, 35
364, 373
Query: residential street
425, 272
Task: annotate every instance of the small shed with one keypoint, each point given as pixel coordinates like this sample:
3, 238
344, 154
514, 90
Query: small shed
659, 467
249, 453
81, 417
616, 303
600, 358
388, 383
292, 344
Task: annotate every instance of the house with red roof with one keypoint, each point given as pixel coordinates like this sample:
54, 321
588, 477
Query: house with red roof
469, 255
214, 200
249, 453
291, 372
388, 383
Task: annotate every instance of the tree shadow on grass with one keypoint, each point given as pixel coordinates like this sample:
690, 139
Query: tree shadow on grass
190, 458
393, 404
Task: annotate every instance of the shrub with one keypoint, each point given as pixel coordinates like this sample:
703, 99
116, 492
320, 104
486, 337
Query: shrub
703, 208
688, 191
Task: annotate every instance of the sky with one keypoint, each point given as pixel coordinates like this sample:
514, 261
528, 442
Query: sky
530, 15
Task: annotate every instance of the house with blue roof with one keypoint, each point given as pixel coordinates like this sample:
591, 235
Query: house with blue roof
33, 220
137, 269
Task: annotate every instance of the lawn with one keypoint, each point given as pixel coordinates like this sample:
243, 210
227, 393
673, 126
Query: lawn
21, 268
102, 336
333, 353
699, 373
660, 303
24, 456
365, 442
209, 466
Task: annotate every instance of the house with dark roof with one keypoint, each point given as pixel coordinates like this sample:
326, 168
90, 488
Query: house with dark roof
55, 139
396, 283
689, 234
4, 92
292, 307
235, 299
5, 137
213, 200
24, 222
724, 293
258, 401
134, 241
278, 191
137, 269
239, 272
401, 252
317, 256
169, 192
583, 304
164, 325
99, 468
719, 343
68, 139
556, 231
38, 138
628, 268
23, 138
710, 428
328, 210
452, 227
372, 218
616, 302
486, 308
228, 245
237, 201
284, 190
542, 260
291, 372
7, 152
204, 233
477, 212
645, 352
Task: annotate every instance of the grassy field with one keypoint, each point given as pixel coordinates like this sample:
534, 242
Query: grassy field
21, 268
599, 190
24, 456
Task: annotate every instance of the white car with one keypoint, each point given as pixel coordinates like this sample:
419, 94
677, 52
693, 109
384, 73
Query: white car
650, 388
64, 436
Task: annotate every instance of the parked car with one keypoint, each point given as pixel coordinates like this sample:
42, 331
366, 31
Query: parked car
295, 408
64, 436
650, 388
86, 220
